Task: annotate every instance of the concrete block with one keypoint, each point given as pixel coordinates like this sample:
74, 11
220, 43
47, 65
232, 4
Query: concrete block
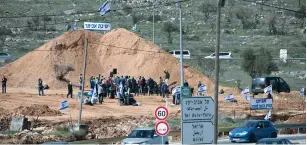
81, 129
19, 123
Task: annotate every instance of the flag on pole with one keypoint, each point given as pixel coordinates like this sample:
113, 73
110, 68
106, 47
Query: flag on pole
64, 105
268, 89
302, 91
245, 91
104, 8
268, 116
176, 90
202, 88
75, 27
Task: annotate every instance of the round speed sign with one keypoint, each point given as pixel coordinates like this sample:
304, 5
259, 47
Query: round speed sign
161, 113
162, 128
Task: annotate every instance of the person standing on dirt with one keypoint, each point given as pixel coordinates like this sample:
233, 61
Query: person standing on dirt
4, 80
40, 87
140, 85
143, 86
164, 89
69, 86
160, 85
167, 76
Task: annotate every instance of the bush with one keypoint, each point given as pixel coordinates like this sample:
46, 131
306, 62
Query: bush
207, 8
168, 27
127, 9
157, 18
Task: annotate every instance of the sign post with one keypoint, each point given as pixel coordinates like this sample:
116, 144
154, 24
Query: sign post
196, 115
162, 127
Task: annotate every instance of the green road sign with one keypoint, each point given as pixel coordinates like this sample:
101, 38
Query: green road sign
186, 92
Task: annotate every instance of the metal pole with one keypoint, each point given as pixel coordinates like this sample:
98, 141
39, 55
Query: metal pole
181, 61
162, 139
83, 78
217, 68
153, 21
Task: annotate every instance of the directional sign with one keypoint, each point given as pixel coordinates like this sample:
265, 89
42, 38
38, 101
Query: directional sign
197, 108
186, 92
161, 113
197, 132
162, 128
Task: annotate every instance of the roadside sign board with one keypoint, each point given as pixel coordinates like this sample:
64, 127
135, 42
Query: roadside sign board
161, 113
162, 128
197, 132
186, 92
261, 103
97, 26
196, 115
197, 108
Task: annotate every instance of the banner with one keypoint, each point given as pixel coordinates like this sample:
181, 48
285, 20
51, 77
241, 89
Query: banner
97, 26
268, 89
261, 103
202, 89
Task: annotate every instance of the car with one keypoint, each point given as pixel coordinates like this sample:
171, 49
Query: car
274, 141
278, 84
253, 130
144, 136
5, 57
222, 55
185, 54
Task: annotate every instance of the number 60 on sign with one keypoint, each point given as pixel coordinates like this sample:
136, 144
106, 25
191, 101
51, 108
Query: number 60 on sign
161, 113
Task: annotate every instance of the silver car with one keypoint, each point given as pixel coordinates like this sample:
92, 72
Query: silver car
144, 136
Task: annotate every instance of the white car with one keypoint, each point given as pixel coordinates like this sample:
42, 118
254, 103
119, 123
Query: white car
222, 55
144, 136
185, 54
5, 57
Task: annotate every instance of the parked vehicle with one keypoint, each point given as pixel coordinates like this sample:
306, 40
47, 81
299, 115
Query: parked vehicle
253, 130
5, 57
274, 141
278, 84
222, 55
185, 54
144, 136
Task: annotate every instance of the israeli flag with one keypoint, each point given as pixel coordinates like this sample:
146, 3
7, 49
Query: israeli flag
268, 89
229, 97
75, 27
104, 8
302, 91
268, 115
64, 105
176, 90
202, 88
247, 97
245, 91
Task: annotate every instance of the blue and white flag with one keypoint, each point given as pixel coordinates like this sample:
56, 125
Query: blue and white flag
268, 115
268, 89
229, 97
176, 90
75, 27
64, 105
105, 8
247, 97
302, 91
202, 88
245, 91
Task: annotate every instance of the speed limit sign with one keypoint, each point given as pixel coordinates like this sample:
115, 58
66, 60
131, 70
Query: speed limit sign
161, 113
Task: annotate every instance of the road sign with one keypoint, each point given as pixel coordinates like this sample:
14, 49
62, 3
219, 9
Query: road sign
197, 108
197, 132
162, 128
161, 113
186, 92
97, 26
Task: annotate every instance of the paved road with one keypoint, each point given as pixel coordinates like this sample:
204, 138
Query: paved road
300, 138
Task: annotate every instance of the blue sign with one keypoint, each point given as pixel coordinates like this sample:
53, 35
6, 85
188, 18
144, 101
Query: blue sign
261, 103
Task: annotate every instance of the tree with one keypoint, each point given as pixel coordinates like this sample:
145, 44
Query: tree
257, 64
135, 18
271, 24
168, 27
3, 33
127, 9
207, 8
301, 14
243, 14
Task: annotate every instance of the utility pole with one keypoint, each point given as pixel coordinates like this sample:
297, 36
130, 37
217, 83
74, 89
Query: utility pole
153, 21
217, 69
83, 78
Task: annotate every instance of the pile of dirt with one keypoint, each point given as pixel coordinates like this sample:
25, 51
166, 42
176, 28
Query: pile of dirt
121, 49
297, 118
36, 110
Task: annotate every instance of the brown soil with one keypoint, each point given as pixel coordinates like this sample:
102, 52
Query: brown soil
298, 118
36, 110
121, 49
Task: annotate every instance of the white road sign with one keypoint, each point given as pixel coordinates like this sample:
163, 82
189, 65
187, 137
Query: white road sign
97, 26
197, 132
161, 113
197, 108
162, 128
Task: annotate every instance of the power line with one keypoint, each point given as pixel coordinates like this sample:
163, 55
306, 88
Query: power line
272, 6
91, 12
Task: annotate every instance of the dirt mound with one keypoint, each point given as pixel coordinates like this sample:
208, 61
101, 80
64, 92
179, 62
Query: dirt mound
298, 118
36, 110
5, 119
121, 49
